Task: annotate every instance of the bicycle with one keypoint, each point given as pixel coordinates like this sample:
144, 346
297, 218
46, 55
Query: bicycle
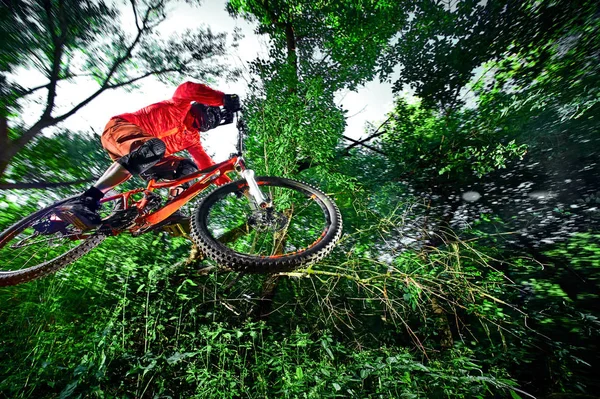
252, 225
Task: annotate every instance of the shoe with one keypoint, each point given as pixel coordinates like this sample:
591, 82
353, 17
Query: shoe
81, 212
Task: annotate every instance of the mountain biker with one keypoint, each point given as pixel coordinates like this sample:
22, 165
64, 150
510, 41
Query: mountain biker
142, 143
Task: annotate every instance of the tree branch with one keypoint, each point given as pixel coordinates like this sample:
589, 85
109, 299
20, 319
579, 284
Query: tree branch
371, 137
109, 87
135, 15
32, 90
133, 80
54, 71
3, 131
130, 48
39, 185
356, 142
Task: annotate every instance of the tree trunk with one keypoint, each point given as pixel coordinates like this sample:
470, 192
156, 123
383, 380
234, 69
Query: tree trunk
291, 46
269, 289
271, 282
4, 144
442, 324
9, 148
5, 158
292, 56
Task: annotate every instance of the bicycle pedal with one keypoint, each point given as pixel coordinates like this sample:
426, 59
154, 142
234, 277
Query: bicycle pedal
72, 218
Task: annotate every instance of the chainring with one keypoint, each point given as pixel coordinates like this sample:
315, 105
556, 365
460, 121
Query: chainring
119, 220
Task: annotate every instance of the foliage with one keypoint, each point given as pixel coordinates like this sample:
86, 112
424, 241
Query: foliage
443, 43
327, 37
316, 50
424, 144
426, 295
291, 131
59, 158
122, 328
77, 41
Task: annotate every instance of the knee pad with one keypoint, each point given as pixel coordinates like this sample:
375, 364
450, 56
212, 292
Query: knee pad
144, 157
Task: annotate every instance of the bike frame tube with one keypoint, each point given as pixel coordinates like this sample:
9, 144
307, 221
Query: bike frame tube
234, 164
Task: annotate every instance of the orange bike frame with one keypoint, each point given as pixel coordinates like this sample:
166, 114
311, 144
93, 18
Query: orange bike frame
205, 178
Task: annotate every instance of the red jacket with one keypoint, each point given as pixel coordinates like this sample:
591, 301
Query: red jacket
171, 121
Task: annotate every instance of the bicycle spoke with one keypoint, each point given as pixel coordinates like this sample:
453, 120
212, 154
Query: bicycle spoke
49, 239
29, 247
288, 228
16, 257
31, 257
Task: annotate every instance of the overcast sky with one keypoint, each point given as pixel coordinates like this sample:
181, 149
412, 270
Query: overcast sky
370, 103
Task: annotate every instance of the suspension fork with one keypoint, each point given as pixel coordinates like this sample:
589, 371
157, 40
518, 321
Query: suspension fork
255, 196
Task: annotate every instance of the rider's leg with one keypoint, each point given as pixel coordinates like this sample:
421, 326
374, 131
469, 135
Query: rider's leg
170, 168
120, 139
83, 211
114, 175
137, 161
163, 170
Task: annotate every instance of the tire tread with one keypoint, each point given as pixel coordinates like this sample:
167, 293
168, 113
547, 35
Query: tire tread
248, 264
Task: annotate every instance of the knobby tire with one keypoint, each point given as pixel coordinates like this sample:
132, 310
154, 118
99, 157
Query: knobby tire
15, 277
209, 243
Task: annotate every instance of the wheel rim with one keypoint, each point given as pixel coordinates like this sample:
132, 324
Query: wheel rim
296, 222
38, 241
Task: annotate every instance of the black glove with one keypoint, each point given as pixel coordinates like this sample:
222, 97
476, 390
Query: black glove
212, 118
205, 118
231, 102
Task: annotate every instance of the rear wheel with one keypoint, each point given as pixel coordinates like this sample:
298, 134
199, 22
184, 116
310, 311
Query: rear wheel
42, 243
301, 226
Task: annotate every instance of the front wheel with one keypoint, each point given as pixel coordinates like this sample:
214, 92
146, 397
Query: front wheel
299, 227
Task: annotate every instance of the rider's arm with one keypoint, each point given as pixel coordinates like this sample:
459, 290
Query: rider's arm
201, 158
190, 91
203, 161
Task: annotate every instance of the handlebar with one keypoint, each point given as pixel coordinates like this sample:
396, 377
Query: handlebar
227, 117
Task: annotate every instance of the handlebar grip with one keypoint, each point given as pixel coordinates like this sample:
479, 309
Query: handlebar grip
226, 117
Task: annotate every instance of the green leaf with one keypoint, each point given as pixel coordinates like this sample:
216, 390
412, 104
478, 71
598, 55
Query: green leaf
514, 395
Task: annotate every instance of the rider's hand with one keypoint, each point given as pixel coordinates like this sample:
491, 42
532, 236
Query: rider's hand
231, 102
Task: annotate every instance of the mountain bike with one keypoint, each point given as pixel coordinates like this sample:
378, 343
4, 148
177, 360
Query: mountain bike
252, 225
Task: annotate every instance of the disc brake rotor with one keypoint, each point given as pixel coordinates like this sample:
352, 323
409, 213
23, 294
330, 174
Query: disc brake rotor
267, 219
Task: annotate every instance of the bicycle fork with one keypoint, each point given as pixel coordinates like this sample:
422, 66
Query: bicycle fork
256, 197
